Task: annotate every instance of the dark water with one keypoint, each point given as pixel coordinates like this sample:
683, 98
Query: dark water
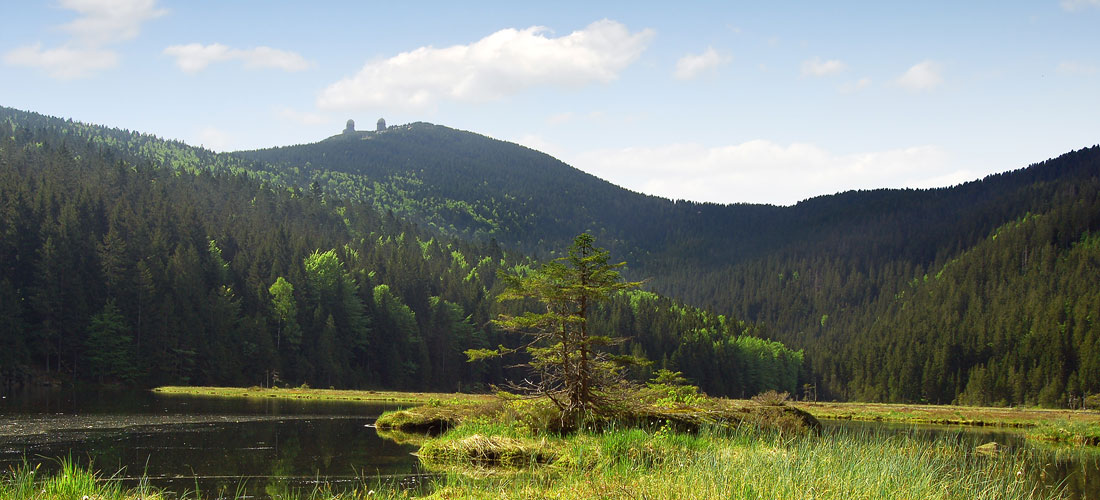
1073, 469
217, 446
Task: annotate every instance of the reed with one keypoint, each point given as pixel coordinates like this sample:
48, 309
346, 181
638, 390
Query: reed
71, 481
752, 463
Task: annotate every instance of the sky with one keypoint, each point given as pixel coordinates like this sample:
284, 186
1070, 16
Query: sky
726, 102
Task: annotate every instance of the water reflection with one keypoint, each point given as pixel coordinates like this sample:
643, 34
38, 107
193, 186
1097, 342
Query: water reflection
182, 443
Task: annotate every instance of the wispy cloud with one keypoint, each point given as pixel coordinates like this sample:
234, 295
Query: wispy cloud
855, 86
214, 139
762, 171
1077, 68
560, 118
817, 67
501, 64
925, 75
104, 22
1072, 5
65, 62
692, 65
195, 57
100, 24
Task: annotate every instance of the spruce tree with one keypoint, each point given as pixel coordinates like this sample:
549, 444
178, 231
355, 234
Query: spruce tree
568, 359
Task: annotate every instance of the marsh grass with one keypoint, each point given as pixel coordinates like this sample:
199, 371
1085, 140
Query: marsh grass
965, 416
644, 408
753, 463
655, 463
1068, 432
74, 482
71, 481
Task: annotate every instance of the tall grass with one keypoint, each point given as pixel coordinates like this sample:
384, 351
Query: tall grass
70, 482
749, 463
73, 482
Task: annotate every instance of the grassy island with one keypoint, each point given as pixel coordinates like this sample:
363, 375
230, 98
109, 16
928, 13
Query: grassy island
695, 448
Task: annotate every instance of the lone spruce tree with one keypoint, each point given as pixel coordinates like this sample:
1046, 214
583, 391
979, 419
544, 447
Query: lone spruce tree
568, 360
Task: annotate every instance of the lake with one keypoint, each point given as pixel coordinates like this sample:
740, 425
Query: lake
263, 445
184, 443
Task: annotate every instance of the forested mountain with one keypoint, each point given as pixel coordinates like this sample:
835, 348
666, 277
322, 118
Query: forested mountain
127, 258
841, 276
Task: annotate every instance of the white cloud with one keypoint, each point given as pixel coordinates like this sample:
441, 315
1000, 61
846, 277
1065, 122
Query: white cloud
762, 171
101, 23
195, 57
692, 65
1077, 68
1072, 5
63, 62
924, 75
817, 67
104, 22
503, 63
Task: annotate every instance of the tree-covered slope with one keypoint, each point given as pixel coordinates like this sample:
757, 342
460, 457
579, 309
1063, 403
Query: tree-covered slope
817, 273
1012, 319
471, 185
126, 258
867, 336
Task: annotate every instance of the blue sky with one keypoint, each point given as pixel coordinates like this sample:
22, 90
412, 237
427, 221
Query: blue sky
769, 102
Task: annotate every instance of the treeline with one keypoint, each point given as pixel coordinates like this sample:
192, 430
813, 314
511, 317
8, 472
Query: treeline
726, 357
113, 271
117, 264
1012, 320
1005, 315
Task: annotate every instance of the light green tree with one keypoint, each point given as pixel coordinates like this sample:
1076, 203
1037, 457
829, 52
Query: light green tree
286, 311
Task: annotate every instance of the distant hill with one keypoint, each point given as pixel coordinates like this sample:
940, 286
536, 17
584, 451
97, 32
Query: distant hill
819, 274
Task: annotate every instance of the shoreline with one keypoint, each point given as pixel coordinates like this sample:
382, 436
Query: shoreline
901, 413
